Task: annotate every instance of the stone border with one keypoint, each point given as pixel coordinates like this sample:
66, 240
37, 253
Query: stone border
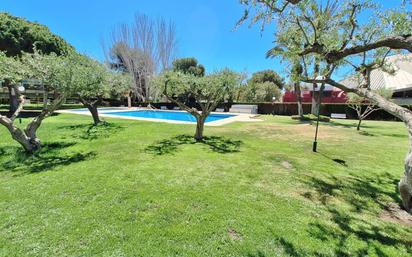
241, 117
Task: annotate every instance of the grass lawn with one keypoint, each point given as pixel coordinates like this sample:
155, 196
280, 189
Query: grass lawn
251, 189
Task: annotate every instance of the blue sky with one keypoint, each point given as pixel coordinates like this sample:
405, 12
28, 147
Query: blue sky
204, 27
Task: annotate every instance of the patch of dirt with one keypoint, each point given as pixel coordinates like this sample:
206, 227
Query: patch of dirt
234, 235
393, 213
294, 131
287, 165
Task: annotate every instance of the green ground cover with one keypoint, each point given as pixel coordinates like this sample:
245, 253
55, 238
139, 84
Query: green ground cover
134, 188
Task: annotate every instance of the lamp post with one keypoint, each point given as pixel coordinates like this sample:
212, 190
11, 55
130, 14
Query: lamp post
273, 105
315, 142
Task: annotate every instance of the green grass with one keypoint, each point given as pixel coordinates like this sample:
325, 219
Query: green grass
135, 188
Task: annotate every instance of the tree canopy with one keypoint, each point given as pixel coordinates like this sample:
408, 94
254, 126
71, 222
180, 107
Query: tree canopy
93, 81
189, 66
18, 35
11, 69
268, 76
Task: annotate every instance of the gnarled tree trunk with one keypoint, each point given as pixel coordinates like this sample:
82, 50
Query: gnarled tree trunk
405, 184
27, 138
30, 143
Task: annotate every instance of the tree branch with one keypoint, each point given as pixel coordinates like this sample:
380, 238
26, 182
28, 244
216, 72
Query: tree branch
22, 100
395, 42
394, 109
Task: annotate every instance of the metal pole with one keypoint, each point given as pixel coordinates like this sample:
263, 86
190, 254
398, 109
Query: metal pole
315, 143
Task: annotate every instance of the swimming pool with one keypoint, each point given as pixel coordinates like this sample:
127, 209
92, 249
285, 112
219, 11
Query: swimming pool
167, 115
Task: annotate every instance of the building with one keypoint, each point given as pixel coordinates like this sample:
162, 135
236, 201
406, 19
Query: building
330, 95
400, 82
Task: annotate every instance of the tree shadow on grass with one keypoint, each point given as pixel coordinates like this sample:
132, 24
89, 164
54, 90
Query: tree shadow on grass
353, 204
397, 135
92, 132
360, 192
364, 132
215, 143
49, 157
345, 227
334, 123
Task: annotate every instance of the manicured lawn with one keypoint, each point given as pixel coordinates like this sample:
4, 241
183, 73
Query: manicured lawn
252, 189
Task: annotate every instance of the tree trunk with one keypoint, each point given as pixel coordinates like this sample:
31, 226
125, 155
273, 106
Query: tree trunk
405, 184
318, 100
92, 107
359, 124
13, 99
315, 107
129, 101
30, 143
95, 114
299, 99
200, 127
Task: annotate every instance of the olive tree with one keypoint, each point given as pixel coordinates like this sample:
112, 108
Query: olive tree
330, 36
89, 83
18, 36
93, 81
52, 73
208, 91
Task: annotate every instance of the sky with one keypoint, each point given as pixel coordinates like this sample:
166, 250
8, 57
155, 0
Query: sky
205, 28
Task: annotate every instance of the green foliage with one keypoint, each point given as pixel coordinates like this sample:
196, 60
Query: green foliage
121, 83
267, 76
11, 69
18, 35
89, 77
208, 90
262, 92
73, 74
257, 92
189, 66
49, 70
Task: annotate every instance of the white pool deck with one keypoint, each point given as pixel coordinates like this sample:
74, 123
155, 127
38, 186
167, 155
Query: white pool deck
109, 113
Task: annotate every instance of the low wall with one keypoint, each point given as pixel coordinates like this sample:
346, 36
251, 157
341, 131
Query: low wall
289, 109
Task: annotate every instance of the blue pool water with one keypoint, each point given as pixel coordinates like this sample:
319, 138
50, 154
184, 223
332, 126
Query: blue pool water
169, 115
